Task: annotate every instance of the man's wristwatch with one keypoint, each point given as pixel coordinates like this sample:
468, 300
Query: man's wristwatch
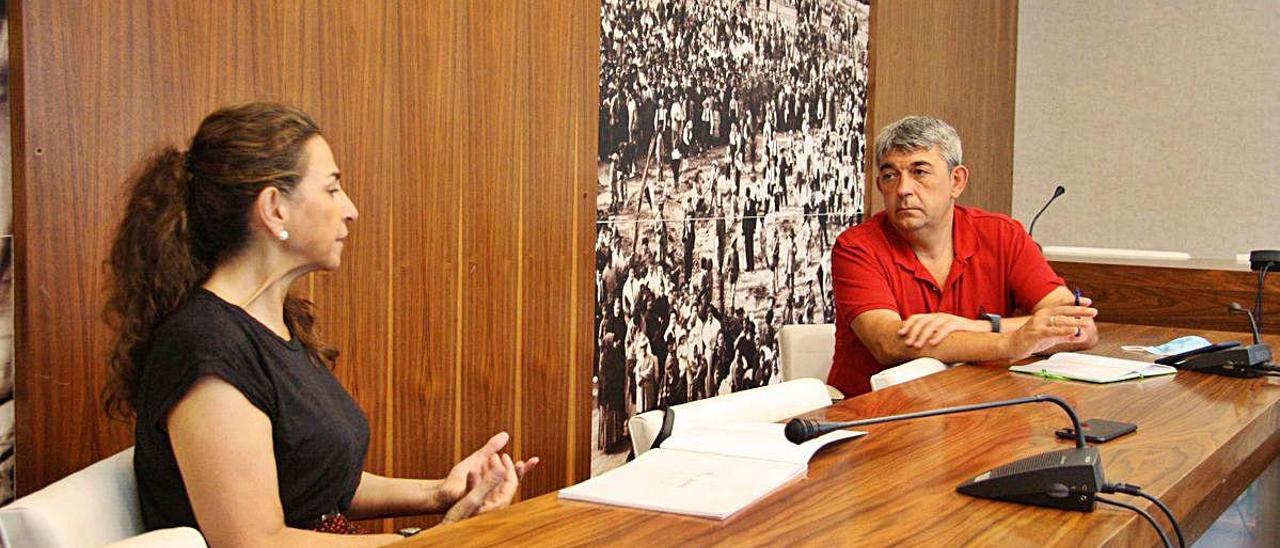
995, 321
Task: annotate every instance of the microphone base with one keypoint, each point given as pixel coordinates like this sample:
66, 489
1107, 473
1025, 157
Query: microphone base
1240, 362
1067, 479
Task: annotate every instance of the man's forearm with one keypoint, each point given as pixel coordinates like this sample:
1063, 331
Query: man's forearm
969, 346
960, 346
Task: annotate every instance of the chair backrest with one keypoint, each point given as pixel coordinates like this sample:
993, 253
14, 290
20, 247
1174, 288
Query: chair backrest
805, 350
904, 372
770, 403
93, 507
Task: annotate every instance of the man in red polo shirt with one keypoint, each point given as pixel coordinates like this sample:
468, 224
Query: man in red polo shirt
927, 277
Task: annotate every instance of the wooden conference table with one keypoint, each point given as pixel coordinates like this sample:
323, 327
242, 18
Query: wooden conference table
1201, 440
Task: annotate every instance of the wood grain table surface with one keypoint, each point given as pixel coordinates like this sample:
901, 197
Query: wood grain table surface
1201, 440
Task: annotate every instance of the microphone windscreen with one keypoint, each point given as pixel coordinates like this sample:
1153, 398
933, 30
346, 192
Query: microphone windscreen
798, 431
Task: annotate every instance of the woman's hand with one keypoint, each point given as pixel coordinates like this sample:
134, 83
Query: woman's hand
512, 473
497, 485
477, 495
467, 474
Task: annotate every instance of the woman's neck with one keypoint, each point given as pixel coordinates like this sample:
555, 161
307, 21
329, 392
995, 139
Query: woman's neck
258, 284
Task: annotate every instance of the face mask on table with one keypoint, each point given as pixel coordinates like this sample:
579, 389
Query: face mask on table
1175, 346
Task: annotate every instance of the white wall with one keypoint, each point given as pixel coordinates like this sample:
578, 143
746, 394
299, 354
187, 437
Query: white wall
1162, 119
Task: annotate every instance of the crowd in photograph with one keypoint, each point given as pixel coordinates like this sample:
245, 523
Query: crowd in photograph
731, 144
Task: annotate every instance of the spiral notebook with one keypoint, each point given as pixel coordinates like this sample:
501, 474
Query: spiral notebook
710, 472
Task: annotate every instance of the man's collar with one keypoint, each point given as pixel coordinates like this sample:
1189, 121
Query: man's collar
903, 254
963, 236
964, 239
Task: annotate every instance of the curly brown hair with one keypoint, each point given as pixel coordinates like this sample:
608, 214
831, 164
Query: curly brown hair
188, 212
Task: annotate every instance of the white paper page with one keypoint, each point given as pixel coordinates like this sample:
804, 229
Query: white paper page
755, 440
1118, 364
684, 482
779, 400
1094, 368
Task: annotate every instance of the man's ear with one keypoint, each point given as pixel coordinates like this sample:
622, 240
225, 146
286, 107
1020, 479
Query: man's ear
959, 181
270, 209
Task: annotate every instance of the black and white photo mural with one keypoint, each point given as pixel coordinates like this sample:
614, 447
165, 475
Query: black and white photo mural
731, 147
7, 486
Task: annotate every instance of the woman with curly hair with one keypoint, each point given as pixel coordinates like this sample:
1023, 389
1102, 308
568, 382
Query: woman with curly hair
241, 428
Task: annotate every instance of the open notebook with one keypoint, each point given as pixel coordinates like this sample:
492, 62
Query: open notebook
1087, 367
706, 471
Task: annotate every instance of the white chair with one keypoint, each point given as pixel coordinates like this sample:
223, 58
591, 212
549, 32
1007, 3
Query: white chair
908, 371
770, 403
805, 351
96, 506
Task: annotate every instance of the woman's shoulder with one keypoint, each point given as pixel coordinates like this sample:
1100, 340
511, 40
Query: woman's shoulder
201, 324
202, 337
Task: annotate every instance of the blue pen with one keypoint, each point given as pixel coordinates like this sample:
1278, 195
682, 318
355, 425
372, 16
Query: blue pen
1077, 304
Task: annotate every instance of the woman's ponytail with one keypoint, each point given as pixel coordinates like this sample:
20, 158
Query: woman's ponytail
151, 267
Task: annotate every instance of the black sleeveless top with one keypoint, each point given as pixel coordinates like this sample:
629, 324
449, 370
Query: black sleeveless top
319, 434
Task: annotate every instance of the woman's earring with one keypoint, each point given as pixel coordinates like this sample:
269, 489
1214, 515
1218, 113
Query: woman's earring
283, 235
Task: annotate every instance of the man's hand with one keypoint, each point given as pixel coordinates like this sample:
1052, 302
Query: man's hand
1051, 326
921, 330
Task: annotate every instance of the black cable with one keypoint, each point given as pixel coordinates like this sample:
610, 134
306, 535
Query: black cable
1169, 514
1134, 490
1257, 299
1163, 537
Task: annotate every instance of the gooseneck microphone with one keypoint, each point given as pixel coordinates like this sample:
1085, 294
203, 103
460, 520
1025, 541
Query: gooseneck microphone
1056, 192
799, 431
1237, 309
1068, 479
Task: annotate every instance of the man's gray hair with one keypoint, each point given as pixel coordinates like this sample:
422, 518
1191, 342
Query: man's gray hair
915, 133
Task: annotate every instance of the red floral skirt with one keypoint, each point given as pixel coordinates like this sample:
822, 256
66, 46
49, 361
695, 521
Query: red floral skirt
337, 524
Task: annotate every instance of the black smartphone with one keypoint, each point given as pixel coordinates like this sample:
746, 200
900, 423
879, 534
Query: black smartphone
1098, 430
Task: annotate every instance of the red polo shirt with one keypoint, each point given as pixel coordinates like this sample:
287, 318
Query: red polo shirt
997, 269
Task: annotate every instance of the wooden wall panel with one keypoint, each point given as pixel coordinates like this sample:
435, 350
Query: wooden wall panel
956, 61
584, 113
545, 263
490, 232
427, 212
466, 136
1172, 297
